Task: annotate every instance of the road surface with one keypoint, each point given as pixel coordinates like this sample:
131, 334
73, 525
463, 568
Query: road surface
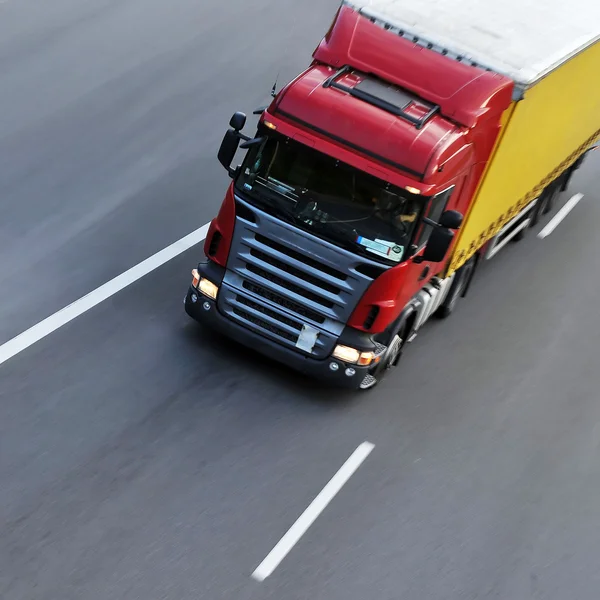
142, 457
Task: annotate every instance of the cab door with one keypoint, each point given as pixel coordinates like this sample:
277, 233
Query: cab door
419, 274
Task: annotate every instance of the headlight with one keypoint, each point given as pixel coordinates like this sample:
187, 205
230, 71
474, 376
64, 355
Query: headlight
207, 287
353, 356
346, 354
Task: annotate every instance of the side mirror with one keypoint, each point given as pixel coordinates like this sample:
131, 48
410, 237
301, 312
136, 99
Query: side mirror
441, 237
451, 219
238, 121
228, 148
438, 245
231, 141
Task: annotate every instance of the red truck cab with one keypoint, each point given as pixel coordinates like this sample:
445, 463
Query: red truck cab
329, 250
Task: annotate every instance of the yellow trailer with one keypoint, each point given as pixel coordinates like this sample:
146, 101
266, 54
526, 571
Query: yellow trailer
553, 121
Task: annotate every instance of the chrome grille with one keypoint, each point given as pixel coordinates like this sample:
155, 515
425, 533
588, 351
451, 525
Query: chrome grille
280, 280
263, 257
271, 322
292, 287
311, 315
267, 325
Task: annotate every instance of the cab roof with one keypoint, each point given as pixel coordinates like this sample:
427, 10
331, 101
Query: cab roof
382, 95
368, 115
522, 39
463, 93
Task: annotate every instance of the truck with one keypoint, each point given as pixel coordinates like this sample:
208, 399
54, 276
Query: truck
422, 138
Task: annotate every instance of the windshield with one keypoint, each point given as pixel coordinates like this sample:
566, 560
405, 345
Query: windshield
330, 198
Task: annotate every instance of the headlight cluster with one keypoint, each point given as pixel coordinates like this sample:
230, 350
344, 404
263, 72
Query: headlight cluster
353, 356
205, 286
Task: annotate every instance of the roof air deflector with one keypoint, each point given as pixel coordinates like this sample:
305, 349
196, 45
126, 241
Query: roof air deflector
383, 95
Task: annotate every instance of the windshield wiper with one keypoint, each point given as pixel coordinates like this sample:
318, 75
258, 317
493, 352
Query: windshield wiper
275, 203
347, 238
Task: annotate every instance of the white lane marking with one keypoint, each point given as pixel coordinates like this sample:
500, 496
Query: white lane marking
559, 216
314, 509
110, 288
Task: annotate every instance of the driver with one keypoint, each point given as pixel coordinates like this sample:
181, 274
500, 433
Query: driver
401, 210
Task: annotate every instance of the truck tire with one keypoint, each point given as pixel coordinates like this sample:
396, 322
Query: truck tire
537, 211
571, 171
553, 192
457, 288
566, 178
548, 197
392, 355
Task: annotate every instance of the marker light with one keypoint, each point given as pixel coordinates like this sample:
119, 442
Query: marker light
412, 190
195, 278
208, 288
366, 358
353, 356
270, 125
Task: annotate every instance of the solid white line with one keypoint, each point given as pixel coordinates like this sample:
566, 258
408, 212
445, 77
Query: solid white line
559, 216
110, 288
314, 509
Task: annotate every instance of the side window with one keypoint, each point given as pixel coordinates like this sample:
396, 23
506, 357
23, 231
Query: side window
436, 208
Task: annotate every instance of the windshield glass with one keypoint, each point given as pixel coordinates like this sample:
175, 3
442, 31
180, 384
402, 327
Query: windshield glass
330, 198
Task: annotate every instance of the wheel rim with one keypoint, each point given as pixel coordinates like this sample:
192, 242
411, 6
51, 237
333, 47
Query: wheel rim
390, 356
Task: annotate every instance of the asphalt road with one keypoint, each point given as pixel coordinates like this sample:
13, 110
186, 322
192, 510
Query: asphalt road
142, 457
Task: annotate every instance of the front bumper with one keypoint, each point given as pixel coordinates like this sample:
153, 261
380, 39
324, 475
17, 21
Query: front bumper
206, 311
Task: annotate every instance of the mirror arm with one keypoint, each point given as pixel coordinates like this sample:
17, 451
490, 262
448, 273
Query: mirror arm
252, 142
428, 221
233, 173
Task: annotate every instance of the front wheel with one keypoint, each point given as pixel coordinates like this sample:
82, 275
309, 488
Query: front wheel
390, 358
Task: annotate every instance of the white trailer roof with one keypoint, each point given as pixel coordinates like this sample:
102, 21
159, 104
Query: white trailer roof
523, 39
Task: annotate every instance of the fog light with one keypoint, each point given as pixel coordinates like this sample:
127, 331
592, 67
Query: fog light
194, 298
334, 366
208, 288
350, 372
412, 190
206, 305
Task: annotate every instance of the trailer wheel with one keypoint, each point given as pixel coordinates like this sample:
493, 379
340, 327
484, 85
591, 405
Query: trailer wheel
553, 192
545, 201
566, 178
537, 211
